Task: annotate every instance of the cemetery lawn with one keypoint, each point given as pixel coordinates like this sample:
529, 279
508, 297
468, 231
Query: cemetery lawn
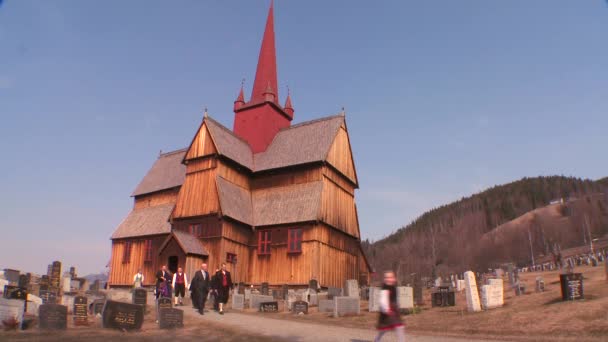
530, 317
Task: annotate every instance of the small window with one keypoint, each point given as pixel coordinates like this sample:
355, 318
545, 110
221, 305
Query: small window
196, 229
294, 241
231, 258
264, 239
126, 254
148, 250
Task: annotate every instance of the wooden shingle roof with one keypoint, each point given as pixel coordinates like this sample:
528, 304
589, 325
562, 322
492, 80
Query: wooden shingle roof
235, 201
287, 204
189, 243
229, 145
146, 221
166, 173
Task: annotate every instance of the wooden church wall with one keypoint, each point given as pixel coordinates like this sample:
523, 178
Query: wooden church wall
336, 266
202, 145
198, 195
201, 164
233, 174
286, 177
338, 208
340, 155
122, 274
157, 198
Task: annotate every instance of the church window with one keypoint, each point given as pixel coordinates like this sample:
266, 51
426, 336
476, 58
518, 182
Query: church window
294, 240
264, 239
196, 229
148, 250
126, 254
231, 258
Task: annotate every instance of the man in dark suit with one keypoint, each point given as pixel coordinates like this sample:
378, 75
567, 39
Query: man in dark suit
224, 283
163, 279
200, 284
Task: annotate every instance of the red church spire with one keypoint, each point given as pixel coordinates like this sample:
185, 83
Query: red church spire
240, 100
266, 73
288, 106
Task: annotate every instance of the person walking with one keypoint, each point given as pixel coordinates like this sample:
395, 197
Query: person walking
224, 283
138, 279
162, 283
179, 283
389, 317
200, 284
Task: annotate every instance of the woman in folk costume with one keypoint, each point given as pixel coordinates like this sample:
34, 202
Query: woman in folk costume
224, 283
389, 318
138, 279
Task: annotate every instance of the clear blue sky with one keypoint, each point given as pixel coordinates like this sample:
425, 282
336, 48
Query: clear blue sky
443, 99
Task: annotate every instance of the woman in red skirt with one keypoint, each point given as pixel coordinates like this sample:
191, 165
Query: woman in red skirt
389, 318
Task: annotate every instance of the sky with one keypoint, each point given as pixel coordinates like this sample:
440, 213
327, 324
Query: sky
443, 99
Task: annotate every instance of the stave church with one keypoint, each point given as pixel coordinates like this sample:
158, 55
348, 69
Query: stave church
273, 200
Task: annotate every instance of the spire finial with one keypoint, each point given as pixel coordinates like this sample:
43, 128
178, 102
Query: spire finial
266, 72
288, 106
343, 113
205, 114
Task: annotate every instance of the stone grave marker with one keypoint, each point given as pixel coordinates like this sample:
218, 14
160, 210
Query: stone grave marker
256, 300
95, 286
80, 311
374, 299
171, 318
18, 293
472, 295
313, 284
572, 286
97, 306
164, 303
269, 306
520, 288
11, 308
12, 276
326, 305
540, 284
264, 289
53, 317
333, 292
140, 297
48, 297
8, 289
346, 306
241, 288
314, 299
322, 296
491, 296
247, 294
351, 288
238, 301
418, 291
405, 297
299, 306
24, 282
285, 290
122, 316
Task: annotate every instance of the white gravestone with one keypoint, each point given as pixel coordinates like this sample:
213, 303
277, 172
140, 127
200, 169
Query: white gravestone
326, 305
374, 299
351, 288
459, 285
405, 297
344, 306
238, 301
491, 296
11, 308
473, 303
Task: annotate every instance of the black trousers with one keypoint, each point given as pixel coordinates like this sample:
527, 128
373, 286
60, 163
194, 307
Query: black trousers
194, 295
201, 299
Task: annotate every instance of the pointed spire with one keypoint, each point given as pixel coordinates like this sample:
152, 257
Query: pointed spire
266, 73
288, 106
205, 114
240, 100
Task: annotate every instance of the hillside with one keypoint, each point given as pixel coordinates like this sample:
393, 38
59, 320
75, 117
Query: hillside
473, 232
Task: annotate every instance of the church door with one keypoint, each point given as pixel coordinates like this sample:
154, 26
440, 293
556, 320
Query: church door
172, 263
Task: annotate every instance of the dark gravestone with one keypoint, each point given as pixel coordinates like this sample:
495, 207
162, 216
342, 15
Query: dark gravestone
443, 296
313, 284
277, 294
140, 297
48, 297
53, 317
23, 281
164, 303
269, 307
241, 288
170, 318
95, 286
299, 306
8, 290
122, 316
572, 286
333, 292
80, 310
265, 289
12, 276
97, 306
284, 291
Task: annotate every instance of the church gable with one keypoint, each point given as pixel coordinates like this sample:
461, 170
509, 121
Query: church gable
202, 144
340, 155
197, 196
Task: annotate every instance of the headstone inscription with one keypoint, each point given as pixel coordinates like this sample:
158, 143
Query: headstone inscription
472, 295
572, 286
97, 306
269, 307
238, 301
299, 306
171, 318
53, 317
80, 310
164, 302
265, 289
346, 306
140, 296
491, 296
122, 316
48, 297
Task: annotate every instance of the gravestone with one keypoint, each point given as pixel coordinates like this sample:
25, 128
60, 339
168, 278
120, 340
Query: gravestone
418, 291
80, 310
95, 287
18, 293
48, 297
291, 298
459, 285
313, 284
247, 294
11, 308
269, 307
405, 297
520, 288
285, 290
265, 289
55, 275
171, 318
256, 300
299, 306
322, 296
241, 288
374, 299
12, 276
333, 292
53, 317
472, 295
140, 296
238, 302
572, 286
164, 303
326, 305
97, 306
314, 299
24, 282
540, 284
443, 296
351, 288
491, 296
66, 284
346, 306
122, 316
8, 289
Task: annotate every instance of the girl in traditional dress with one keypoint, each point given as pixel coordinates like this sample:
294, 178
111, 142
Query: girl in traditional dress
389, 318
138, 279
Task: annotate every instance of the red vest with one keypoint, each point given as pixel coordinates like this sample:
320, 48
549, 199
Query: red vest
179, 279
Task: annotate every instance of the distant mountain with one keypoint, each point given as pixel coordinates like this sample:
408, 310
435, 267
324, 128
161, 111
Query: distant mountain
92, 277
472, 233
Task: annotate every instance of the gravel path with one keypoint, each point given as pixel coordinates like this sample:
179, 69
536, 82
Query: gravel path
302, 332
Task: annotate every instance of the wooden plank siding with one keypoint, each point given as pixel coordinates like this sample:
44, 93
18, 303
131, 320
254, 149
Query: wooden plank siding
233, 175
121, 274
156, 198
202, 144
340, 155
201, 164
198, 195
286, 177
338, 208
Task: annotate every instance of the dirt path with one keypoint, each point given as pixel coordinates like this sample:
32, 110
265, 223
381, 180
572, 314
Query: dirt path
300, 331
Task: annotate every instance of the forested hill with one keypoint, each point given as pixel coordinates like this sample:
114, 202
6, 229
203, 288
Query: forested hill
449, 238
